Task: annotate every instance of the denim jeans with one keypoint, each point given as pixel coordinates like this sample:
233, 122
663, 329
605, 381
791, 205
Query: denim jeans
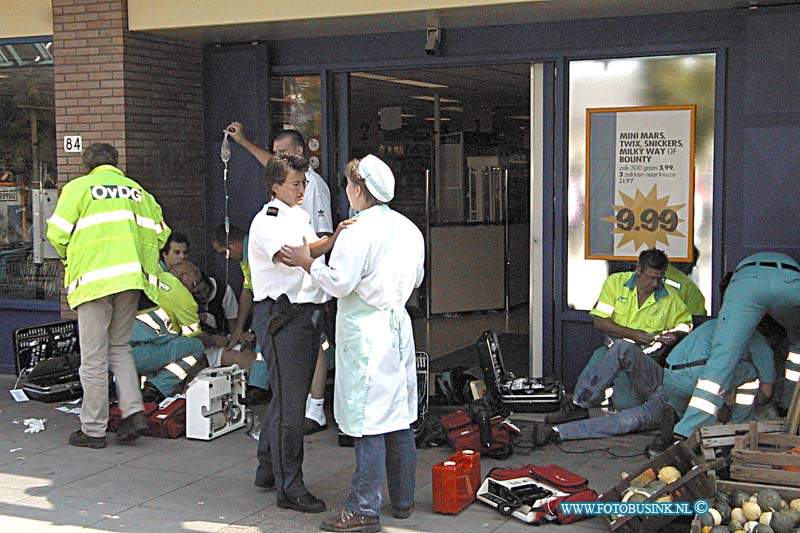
392, 456
640, 418
622, 357
645, 377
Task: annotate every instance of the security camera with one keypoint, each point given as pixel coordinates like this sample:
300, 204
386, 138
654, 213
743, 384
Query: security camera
433, 41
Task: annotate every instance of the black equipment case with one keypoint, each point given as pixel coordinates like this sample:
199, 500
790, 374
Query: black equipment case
47, 358
522, 395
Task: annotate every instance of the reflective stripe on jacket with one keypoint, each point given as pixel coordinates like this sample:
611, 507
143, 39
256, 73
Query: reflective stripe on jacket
108, 230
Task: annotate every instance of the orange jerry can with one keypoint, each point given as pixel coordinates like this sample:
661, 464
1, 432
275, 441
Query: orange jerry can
473, 460
453, 488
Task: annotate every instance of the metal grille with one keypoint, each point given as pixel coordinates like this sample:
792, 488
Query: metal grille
21, 278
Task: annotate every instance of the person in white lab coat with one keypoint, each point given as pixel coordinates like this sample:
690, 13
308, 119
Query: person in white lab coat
373, 268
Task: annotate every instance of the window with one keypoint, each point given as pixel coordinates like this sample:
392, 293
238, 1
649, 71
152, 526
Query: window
296, 104
27, 169
645, 81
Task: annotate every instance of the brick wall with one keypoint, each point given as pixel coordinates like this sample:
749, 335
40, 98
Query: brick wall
142, 93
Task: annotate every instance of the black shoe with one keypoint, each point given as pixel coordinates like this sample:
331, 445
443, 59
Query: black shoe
543, 434
150, 394
79, 438
256, 396
133, 426
264, 483
401, 513
657, 446
312, 426
568, 412
307, 503
665, 437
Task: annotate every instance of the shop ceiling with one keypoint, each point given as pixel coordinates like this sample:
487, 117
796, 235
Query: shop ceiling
486, 15
472, 87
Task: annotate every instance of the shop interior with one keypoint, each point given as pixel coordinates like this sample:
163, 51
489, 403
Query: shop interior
458, 140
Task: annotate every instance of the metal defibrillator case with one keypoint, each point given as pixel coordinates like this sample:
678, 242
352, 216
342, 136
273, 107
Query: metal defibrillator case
524, 395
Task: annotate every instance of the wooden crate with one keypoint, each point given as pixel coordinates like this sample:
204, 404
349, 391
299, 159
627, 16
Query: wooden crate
693, 484
717, 438
729, 487
760, 457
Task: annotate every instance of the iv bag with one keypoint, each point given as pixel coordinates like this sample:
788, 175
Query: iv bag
225, 150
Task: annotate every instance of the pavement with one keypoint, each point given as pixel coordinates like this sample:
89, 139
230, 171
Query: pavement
181, 485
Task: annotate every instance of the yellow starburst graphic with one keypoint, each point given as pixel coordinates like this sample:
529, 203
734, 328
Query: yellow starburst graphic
646, 220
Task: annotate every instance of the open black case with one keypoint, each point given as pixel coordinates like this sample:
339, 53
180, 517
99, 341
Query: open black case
47, 359
523, 395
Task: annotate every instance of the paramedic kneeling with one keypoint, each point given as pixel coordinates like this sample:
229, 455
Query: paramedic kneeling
287, 320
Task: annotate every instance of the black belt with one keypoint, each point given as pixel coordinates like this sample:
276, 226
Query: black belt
701, 362
771, 264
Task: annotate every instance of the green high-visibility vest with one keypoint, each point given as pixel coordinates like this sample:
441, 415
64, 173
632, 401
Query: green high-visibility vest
108, 231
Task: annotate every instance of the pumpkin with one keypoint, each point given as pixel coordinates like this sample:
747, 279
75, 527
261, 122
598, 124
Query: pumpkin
795, 504
783, 522
643, 479
669, 474
724, 510
706, 520
735, 525
769, 500
751, 510
738, 515
738, 498
655, 486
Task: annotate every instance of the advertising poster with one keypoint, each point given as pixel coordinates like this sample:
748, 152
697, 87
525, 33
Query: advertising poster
639, 181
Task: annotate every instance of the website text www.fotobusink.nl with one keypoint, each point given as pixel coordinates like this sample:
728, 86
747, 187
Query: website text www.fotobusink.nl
634, 508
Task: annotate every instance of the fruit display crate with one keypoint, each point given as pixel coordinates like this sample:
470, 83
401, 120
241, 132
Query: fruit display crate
692, 485
765, 458
717, 440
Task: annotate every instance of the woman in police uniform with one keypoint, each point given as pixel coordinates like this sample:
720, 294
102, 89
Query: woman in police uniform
374, 267
291, 352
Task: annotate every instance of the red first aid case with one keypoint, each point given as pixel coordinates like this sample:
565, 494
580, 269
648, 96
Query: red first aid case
533, 493
464, 434
169, 422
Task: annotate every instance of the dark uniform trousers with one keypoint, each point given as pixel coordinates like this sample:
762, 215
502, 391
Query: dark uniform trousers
290, 363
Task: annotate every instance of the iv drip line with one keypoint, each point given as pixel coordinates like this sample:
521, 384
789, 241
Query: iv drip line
225, 155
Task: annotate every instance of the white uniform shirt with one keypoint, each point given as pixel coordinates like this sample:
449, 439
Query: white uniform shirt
230, 305
381, 258
317, 202
275, 225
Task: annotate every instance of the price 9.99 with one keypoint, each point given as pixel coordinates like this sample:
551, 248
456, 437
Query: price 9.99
649, 220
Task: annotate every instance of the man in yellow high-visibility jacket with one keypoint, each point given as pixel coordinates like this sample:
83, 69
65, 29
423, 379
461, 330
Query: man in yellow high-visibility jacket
108, 231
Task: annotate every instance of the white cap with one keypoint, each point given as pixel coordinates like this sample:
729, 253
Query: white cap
378, 177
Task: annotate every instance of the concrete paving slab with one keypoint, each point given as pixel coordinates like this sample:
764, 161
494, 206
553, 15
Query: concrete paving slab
214, 498
37, 474
145, 519
125, 484
50, 511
